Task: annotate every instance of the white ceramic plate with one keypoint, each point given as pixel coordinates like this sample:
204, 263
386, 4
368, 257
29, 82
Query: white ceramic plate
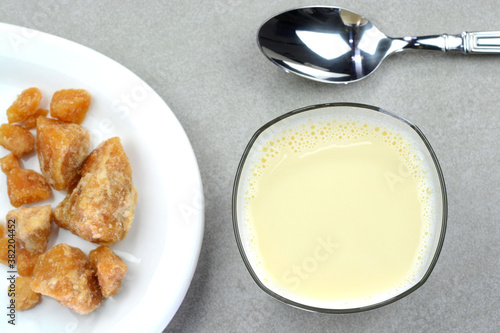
162, 247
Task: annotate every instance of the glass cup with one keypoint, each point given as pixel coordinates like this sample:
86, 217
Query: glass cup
248, 241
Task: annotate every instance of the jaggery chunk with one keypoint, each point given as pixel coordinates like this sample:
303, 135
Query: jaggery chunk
101, 207
30, 122
24, 297
25, 105
110, 269
4, 250
26, 186
61, 147
2, 230
26, 262
5, 246
16, 139
70, 105
65, 273
9, 162
33, 226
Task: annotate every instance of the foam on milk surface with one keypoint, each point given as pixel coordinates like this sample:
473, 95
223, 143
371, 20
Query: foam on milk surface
303, 141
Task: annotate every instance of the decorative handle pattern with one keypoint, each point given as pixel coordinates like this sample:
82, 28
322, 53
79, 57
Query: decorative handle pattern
481, 42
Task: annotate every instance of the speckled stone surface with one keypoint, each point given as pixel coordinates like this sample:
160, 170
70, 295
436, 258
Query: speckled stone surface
202, 59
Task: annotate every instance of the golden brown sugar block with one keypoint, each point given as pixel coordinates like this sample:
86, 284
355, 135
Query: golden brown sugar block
110, 269
26, 262
25, 105
61, 147
33, 227
30, 122
70, 105
8, 250
9, 162
24, 297
17, 139
101, 207
65, 273
2, 230
26, 186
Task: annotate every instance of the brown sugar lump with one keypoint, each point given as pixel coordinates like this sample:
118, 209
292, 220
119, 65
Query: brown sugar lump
8, 250
4, 250
70, 105
66, 274
30, 122
26, 186
23, 296
26, 262
9, 162
16, 139
110, 270
2, 230
101, 207
61, 147
33, 226
25, 105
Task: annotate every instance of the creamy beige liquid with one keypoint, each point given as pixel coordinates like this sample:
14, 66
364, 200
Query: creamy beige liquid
338, 212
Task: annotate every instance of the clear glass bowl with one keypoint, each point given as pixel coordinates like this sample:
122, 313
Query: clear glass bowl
327, 112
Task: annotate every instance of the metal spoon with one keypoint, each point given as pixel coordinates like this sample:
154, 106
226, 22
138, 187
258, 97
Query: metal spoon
335, 45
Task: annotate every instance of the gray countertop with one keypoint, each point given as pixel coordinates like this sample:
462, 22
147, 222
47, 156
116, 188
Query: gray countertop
202, 59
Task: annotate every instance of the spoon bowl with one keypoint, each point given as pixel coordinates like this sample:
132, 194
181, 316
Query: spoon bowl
336, 45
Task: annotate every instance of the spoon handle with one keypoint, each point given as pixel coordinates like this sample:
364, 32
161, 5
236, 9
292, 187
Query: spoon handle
466, 42
481, 42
